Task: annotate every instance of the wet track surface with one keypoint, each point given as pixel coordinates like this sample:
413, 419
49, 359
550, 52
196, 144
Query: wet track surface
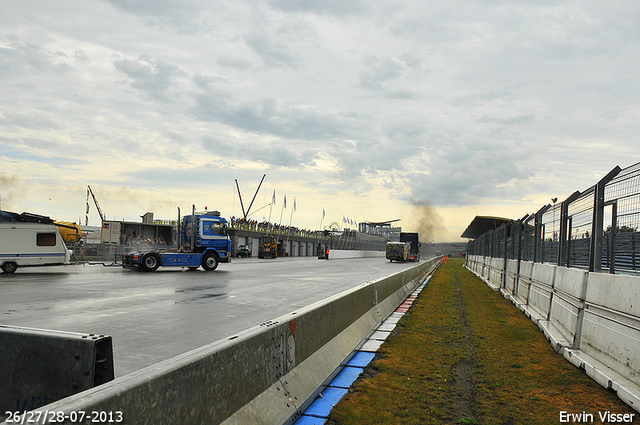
155, 316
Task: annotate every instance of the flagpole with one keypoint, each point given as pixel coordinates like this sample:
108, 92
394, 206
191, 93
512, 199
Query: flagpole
273, 201
292, 210
290, 219
284, 203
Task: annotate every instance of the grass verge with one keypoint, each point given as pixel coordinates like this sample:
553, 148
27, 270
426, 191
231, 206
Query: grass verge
466, 355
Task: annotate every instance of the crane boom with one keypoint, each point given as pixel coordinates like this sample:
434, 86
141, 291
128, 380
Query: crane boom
102, 216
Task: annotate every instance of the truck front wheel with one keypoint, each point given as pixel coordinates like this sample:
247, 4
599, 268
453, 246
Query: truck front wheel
9, 267
150, 262
210, 262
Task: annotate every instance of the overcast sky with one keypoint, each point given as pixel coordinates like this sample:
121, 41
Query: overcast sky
363, 108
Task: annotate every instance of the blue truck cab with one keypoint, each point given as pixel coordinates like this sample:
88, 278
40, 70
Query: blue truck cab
203, 241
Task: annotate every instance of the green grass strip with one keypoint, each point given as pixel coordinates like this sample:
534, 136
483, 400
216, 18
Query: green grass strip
466, 355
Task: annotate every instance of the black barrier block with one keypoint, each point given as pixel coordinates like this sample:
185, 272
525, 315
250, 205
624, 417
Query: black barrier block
38, 367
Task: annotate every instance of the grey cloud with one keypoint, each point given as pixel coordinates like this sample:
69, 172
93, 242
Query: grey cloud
400, 94
150, 75
195, 177
267, 116
39, 150
514, 120
411, 60
276, 153
407, 132
465, 173
501, 93
385, 152
34, 121
153, 7
233, 62
81, 56
202, 80
321, 7
273, 53
21, 57
380, 71
181, 15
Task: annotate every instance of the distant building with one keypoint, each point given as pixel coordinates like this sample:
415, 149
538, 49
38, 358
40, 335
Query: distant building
381, 228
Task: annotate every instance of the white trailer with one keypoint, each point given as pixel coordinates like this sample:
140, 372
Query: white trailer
29, 240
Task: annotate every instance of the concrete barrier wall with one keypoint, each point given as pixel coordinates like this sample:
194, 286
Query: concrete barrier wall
611, 327
486, 269
495, 275
338, 254
539, 301
592, 319
263, 375
571, 281
512, 276
472, 263
524, 282
479, 264
567, 302
563, 318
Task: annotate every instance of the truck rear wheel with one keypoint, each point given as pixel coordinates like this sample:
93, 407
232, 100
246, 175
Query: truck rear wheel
150, 262
210, 262
9, 267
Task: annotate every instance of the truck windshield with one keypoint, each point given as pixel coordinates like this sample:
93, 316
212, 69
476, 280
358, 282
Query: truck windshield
213, 228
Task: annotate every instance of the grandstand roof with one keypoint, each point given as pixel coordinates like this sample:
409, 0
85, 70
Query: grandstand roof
482, 224
381, 223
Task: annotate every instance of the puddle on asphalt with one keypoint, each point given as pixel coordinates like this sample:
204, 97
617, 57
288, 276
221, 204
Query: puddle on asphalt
202, 298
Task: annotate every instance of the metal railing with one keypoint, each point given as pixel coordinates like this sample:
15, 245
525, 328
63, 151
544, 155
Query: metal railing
596, 229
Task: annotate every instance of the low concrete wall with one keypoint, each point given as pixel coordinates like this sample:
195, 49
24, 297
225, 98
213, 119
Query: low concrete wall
542, 279
512, 276
339, 254
525, 279
263, 375
592, 319
611, 323
496, 272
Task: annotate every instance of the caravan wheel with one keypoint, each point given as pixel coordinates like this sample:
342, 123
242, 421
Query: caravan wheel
9, 267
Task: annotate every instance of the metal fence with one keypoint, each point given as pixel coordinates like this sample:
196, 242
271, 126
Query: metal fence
596, 229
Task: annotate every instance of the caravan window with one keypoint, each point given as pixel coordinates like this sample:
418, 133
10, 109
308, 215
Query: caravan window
46, 239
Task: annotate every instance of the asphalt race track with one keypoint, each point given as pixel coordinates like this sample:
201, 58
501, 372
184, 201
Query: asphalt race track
155, 316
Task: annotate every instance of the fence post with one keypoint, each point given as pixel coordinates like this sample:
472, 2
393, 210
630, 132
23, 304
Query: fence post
505, 256
564, 221
538, 234
519, 255
597, 224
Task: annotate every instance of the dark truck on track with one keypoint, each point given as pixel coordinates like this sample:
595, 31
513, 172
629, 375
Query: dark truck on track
414, 241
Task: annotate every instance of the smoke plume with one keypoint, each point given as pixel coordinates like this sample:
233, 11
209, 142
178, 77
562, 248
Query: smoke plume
9, 190
426, 221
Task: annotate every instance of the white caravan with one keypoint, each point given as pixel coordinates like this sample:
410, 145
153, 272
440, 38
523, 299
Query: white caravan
30, 240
